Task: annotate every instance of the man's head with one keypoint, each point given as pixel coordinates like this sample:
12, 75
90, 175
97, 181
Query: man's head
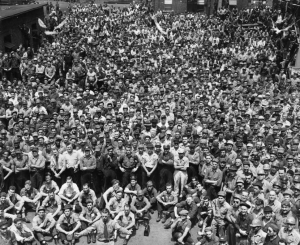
105, 215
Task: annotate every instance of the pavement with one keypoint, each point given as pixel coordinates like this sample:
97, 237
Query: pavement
158, 235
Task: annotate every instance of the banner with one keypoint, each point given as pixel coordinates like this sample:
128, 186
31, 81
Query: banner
41, 23
233, 2
200, 2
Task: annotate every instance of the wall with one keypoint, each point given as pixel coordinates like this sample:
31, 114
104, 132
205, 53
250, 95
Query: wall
178, 6
10, 26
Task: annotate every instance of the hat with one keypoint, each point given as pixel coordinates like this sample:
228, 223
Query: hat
67, 207
288, 192
180, 150
245, 204
285, 203
256, 223
41, 208
184, 212
273, 226
233, 168
258, 184
222, 193
229, 142
268, 209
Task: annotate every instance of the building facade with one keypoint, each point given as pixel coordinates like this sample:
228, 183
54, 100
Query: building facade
19, 25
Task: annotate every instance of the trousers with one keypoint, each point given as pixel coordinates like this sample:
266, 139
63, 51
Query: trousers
180, 179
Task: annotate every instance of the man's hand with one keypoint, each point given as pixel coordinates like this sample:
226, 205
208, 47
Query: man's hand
244, 233
77, 234
180, 240
57, 176
122, 169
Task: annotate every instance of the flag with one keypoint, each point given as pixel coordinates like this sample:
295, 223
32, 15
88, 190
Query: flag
41, 23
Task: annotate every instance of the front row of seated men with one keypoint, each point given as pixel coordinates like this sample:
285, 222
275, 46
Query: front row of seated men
67, 213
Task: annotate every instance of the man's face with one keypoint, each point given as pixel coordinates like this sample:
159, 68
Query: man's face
67, 212
208, 234
169, 189
86, 189
285, 209
126, 210
105, 216
221, 199
41, 213
272, 196
69, 148
89, 206
243, 210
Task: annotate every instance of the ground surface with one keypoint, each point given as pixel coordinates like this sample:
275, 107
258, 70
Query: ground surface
158, 235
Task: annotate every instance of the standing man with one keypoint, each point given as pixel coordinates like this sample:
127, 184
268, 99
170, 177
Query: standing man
166, 167
105, 228
213, 179
149, 165
181, 164
71, 158
87, 167
36, 164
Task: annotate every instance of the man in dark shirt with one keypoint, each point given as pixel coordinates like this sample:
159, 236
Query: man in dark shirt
272, 235
128, 164
181, 229
243, 223
150, 193
188, 205
107, 166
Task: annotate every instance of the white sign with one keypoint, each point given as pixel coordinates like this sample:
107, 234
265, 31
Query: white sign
168, 1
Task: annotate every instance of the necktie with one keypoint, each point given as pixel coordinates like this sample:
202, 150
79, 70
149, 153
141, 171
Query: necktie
105, 231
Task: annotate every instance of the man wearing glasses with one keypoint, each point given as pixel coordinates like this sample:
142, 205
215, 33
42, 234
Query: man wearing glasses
272, 235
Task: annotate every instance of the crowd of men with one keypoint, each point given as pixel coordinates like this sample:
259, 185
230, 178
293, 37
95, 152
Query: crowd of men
126, 115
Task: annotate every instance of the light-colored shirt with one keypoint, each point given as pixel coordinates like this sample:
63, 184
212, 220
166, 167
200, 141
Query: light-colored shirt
18, 232
150, 160
38, 224
71, 160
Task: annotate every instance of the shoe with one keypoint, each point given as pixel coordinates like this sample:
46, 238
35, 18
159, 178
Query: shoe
26, 220
137, 225
168, 226
56, 241
158, 217
147, 230
88, 239
164, 216
94, 237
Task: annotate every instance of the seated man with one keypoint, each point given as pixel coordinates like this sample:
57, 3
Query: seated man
166, 201
209, 237
16, 200
69, 193
151, 193
6, 221
31, 198
191, 187
52, 204
140, 206
131, 189
188, 205
67, 224
116, 204
109, 193
125, 219
5, 204
48, 185
21, 232
181, 229
89, 215
86, 194
105, 229
44, 225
